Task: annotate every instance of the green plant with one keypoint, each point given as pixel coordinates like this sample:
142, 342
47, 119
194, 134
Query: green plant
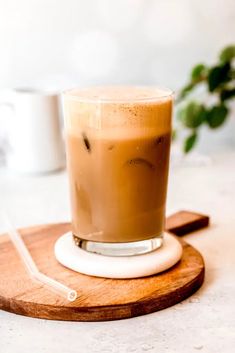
219, 81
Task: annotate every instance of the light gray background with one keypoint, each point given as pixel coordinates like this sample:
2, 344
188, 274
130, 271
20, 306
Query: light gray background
78, 42
56, 45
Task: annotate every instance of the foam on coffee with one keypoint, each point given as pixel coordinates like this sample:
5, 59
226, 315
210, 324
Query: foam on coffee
119, 107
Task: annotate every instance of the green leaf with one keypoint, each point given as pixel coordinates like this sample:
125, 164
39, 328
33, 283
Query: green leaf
227, 94
198, 72
185, 91
218, 75
189, 142
216, 116
227, 54
192, 115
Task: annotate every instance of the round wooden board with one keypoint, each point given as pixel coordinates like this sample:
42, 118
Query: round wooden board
99, 298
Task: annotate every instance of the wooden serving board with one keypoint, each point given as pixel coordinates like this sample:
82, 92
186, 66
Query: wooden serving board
99, 298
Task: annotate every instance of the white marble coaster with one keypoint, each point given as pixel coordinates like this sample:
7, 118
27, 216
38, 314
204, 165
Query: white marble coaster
79, 260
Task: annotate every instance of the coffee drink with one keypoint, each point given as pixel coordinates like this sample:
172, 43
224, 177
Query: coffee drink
118, 142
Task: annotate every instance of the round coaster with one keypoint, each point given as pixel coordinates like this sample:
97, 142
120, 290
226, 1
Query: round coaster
79, 260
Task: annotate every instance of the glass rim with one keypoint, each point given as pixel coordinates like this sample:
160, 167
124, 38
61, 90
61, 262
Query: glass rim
167, 93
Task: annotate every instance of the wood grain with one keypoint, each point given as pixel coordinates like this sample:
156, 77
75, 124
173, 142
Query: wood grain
99, 298
184, 222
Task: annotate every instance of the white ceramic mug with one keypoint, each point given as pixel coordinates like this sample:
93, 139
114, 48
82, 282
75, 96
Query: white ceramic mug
33, 131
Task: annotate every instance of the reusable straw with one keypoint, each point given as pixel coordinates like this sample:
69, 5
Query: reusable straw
31, 267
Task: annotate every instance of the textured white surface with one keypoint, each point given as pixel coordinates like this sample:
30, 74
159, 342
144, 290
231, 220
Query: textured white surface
204, 322
77, 259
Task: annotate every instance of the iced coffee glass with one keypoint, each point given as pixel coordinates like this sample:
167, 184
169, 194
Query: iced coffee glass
118, 143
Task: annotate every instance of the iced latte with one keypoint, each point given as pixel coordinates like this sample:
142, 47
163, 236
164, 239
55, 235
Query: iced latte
118, 142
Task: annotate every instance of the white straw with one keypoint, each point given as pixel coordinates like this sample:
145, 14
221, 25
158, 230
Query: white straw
16, 239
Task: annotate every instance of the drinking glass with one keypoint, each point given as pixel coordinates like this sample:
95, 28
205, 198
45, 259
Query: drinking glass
118, 143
